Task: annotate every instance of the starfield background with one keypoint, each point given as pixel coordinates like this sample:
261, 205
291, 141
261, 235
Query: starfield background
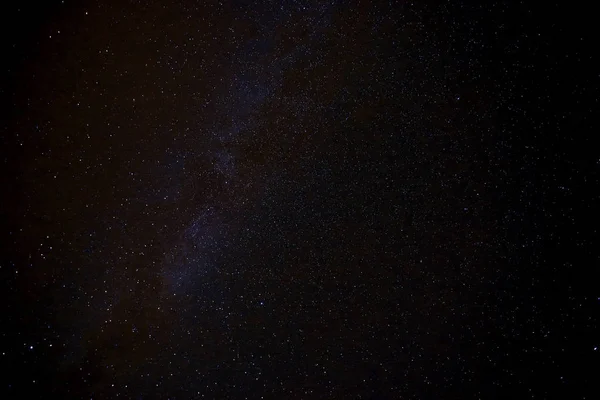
298, 200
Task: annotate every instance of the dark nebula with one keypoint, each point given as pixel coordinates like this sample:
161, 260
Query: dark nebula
298, 200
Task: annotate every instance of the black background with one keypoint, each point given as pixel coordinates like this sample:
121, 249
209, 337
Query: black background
298, 200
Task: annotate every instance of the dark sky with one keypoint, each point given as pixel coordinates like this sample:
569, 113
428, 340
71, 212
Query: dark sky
298, 200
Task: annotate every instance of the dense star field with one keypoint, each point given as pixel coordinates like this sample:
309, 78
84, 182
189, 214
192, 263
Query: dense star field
297, 200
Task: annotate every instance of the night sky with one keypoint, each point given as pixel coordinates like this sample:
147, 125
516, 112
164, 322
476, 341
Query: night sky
298, 200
